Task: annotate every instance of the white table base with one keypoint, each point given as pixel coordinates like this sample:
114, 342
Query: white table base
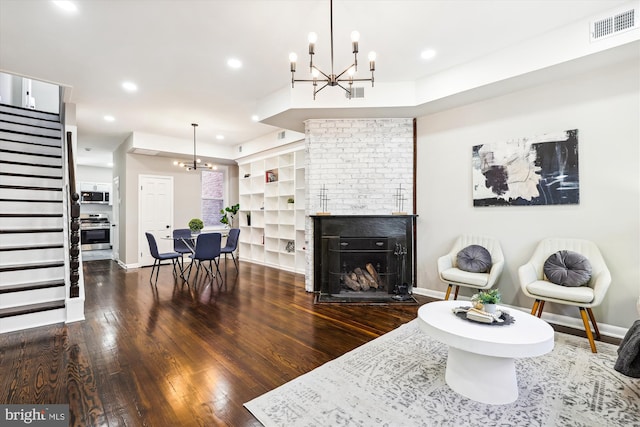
485, 379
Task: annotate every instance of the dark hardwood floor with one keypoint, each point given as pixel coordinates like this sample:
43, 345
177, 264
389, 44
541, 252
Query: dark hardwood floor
179, 355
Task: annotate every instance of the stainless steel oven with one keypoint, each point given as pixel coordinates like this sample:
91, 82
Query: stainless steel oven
95, 232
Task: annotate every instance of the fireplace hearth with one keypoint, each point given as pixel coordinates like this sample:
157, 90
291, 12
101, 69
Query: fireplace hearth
363, 258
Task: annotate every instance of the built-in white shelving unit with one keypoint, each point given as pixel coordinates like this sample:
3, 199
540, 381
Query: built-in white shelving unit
275, 233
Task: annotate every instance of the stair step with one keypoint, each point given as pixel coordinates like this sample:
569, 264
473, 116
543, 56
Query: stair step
41, 265
31, 121
48, 160
24, 192
30, 180
31, 248
30, 230
7, 168
30, 215
8, 151
39, 165
31, 286
29, 187
24, 129
29, 147
31, 308
36, 139
29, 113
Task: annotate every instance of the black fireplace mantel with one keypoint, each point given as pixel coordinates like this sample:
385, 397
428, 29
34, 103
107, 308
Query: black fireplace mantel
340, 244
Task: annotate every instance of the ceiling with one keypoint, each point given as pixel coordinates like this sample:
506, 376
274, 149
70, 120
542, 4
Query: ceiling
176, 51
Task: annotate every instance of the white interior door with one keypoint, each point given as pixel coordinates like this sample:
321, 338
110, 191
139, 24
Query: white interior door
155, 214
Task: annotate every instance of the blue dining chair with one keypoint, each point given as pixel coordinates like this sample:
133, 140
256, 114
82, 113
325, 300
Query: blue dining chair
207, 249
158, 257
230, 247
182, 244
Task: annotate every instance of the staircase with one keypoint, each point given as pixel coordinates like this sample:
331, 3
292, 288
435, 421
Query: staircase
33, 250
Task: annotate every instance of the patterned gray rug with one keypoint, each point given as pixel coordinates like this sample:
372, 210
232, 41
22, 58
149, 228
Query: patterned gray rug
398, 380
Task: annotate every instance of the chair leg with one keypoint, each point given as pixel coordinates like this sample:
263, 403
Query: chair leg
537, 308
156, 267
540, 308
534, 309
235, 262
446, 296
587, 328
594, 323
455, 295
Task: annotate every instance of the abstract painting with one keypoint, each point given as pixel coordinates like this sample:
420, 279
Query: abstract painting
539, 170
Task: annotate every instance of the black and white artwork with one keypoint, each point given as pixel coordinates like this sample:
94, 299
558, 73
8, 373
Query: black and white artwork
539, 170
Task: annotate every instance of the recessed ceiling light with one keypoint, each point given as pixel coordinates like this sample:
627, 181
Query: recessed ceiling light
219, 137
255, 118
129, 86
234, 63
66, 5
428, 54
109, 118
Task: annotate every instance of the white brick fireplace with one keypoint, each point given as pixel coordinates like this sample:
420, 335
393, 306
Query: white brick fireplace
361, 163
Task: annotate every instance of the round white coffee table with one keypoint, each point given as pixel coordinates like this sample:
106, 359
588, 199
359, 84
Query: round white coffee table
481, 360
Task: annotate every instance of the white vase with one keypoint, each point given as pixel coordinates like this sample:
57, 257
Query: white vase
490, 308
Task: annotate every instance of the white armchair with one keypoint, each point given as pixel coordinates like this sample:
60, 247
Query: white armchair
534, 284
451, 275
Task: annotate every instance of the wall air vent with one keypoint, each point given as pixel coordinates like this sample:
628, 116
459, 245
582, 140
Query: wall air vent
614, 24
281, 134
356, 92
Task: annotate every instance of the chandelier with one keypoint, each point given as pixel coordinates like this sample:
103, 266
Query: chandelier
190, 166
332, 79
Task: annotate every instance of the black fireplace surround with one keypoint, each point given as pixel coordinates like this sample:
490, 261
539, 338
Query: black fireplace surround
363, 258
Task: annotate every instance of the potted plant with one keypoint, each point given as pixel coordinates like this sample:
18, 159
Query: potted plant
487, 299
228, 214
195, 225
290, 202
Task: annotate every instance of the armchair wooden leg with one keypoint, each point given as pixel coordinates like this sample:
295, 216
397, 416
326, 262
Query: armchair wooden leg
593, 322
455, 295
540, 308
587, 328
446, 296
534, 309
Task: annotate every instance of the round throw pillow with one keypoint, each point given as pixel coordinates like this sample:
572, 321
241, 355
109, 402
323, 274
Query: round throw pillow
568, 268
474, 259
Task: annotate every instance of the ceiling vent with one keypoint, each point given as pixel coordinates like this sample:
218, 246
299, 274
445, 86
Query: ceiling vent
356, 92
614, 24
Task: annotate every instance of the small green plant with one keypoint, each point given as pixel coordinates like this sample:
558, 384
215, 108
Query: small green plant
290, 200
228, 214
491, 296
196, 224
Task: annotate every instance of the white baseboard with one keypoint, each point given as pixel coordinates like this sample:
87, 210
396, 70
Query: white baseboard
556, 319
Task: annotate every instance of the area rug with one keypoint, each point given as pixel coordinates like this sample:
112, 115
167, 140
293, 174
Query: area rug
398, 380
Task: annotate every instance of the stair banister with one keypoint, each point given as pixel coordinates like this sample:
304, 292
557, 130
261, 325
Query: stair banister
74, 223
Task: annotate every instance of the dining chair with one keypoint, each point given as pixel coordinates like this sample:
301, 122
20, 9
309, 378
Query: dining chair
159, 257
230, 247
207, 249
182, 243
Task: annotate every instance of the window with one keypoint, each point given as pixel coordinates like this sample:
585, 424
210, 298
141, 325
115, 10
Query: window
212, 197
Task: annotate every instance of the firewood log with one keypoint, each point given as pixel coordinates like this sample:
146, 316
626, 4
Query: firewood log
364, 283
351, 284
372, 282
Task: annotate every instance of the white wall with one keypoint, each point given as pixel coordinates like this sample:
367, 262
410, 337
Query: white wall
604, 105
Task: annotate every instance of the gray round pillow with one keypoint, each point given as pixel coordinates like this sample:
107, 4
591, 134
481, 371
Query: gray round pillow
568, 268
474, 259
